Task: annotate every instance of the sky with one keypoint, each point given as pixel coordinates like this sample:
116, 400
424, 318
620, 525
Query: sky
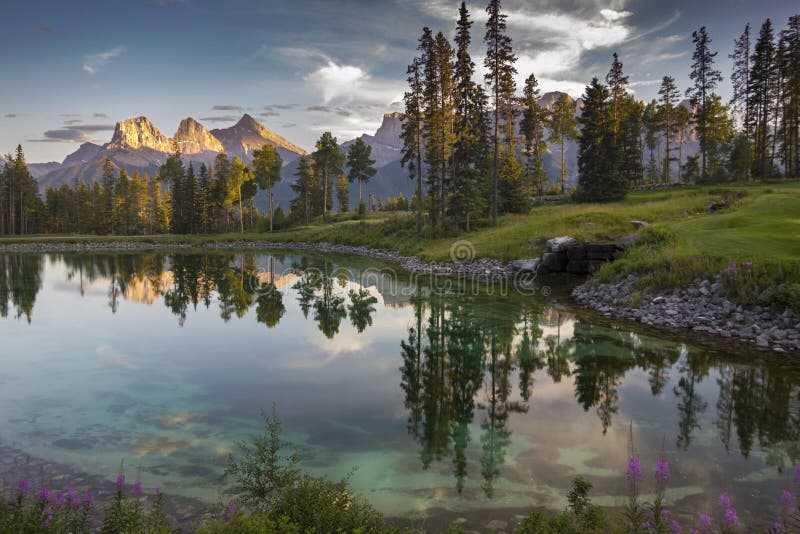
72, 69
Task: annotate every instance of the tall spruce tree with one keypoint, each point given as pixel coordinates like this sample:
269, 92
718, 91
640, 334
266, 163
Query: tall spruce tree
361, 167
306, 186
469, 151
669, 95
740, 78
791, 114
705, 79
109, 183
532, 127
763, 85
412, 129
500, 71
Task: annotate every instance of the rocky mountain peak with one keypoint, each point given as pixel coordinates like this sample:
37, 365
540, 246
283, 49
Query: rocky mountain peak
248, 134
391, 128
193, 138
139, 132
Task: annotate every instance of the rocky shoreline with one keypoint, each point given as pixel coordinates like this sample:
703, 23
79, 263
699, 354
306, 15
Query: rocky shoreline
700, 307
91, 246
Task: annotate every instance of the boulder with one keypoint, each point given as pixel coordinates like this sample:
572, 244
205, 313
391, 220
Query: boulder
529, 266
557, 244
553, 262
627, 241
575, 252
600, 251
640, 224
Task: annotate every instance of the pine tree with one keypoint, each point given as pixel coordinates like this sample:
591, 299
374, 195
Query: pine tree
469, 151
763, 83
499, 63
328, 163
534, 119
651, 122
791, 114
219, 191
630, 138
305, 188
172, 172
705, 79
361, 166
740, 77
412, 129
203, 206
108, 191
617, 82
563, 128
683, 120
599, 178
267, 165
668, 92
189, 200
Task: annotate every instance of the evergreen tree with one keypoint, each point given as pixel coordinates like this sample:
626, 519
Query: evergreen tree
534, 119
412, 129
563, 128
438, 125
763, 85
172, 172
267, 165
617, 83
219, 191
108, 192
306, 189
499, 63
361, 166
740, 77
669, 95
705, 79
630, 137
791, 113
599, 178
328, 163
683, 120
204, 199
469, 151
651, 123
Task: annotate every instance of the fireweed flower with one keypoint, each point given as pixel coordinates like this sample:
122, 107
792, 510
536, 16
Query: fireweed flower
777, 528
731, 519
634, 472
44, 495
121, 483
676, 527
724, 501
704, 525
158, 491
230, 511
662, 471
137, 489
74, 498
786, 498
23, 486
59, 500
665, 514
47, 513
89, 497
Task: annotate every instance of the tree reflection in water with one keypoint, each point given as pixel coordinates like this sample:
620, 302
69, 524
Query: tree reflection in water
468, 363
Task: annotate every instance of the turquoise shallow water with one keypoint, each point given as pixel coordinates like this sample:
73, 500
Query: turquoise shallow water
442, 403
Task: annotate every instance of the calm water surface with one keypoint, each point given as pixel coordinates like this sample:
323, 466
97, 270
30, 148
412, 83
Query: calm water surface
444, 402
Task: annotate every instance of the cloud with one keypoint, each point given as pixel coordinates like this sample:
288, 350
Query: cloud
268, 114
73, 121
288, 125
220, 118
10, 115
280, 106
72, 134
327, 109
552, 39
92, 63
100, 116
349, 83
226, 107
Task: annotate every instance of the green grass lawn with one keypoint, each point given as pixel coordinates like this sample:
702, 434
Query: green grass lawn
764, 223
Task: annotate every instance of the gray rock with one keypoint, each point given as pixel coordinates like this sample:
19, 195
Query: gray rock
556, 244
530, 265
553, 262
640, 224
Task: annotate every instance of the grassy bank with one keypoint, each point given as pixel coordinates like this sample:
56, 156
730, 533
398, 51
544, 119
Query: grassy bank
762, 223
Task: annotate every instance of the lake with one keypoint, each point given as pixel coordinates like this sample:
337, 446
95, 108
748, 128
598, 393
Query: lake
443, 399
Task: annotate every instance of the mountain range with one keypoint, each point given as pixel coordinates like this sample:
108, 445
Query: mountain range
137, 145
